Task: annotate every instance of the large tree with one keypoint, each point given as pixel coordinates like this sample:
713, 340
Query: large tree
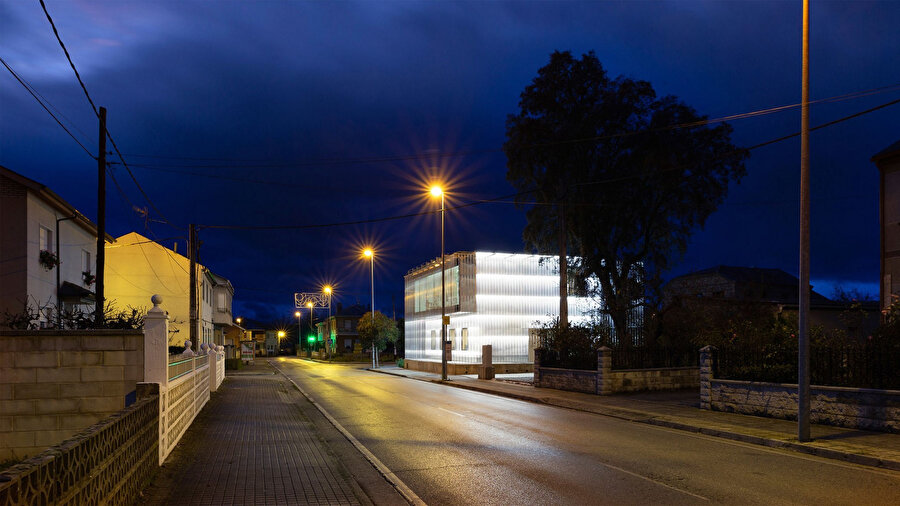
616, 175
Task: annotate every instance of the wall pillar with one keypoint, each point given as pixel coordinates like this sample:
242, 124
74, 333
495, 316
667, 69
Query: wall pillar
213, 370
538, 354
707, 370
156, 344
604, 370
486, 371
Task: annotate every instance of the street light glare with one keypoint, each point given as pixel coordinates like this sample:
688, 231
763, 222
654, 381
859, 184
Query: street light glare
436, 191
297, 314
368, 253
326, 289
280, 333
309, 304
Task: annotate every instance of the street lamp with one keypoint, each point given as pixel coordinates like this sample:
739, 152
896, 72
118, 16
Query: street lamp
368, 253
281, 335
437, 191
298, 314
328, 344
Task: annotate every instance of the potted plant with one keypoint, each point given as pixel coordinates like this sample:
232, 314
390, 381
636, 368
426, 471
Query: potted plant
88, 278
48, 259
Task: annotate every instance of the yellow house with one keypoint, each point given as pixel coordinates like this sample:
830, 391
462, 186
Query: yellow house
138, 268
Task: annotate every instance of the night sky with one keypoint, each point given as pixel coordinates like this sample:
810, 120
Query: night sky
271, 114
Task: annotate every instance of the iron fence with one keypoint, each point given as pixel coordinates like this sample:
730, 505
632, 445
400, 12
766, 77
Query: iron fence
868, 365
654, 357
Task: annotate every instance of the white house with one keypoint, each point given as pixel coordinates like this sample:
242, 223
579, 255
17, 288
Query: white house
34, 219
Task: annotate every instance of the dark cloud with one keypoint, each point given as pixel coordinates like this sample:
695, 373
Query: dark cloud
319, 81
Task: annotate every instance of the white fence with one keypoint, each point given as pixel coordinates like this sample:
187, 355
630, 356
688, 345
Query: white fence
185, 380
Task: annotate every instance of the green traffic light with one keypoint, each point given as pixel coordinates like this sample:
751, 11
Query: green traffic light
311, 339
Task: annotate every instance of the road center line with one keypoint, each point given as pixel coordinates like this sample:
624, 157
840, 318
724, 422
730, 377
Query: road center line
651, 480
451, 412
389, 475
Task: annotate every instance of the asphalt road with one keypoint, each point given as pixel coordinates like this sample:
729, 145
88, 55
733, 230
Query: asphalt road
454, 446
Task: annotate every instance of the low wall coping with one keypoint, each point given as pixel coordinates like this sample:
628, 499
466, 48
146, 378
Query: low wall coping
71, 333
818, 387
686, 368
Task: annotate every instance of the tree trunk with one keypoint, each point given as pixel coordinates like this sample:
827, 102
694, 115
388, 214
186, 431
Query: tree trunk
563, 271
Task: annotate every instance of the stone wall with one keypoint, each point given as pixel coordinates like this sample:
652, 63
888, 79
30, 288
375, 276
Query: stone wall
856, 408
605, 381
455, 368
108, 463
55, 383
640, 380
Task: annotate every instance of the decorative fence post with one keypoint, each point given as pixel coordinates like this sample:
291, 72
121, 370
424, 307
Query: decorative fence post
537, 366
213, 355
486, 371
156, 344
707, 358
604, 370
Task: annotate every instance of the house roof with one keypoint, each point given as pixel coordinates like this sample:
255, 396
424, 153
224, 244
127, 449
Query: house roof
893, 149
51, 198
763, 276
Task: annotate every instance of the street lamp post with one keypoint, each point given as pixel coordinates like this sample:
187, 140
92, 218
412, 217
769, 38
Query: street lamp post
328, 343
298, 314
436, 191
371, 256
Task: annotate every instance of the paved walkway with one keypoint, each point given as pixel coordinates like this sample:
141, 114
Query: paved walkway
680, 410
255, 442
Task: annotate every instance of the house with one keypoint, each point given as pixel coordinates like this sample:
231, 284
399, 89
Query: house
888, 163
341, 328
491, 298
47, 252
138, 267
773, 287
740, 283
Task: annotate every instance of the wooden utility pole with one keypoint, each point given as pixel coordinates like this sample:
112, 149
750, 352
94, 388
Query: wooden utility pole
803, 316
101, 221
192, 254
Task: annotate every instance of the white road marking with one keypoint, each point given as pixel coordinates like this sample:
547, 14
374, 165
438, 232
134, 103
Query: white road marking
389, 475
451, 412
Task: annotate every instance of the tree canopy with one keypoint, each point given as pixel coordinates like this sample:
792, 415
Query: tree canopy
383, 331
631, 174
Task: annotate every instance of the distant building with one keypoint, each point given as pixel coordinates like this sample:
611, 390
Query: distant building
34, 219
780, 290
491, 298
341, 328
740, 283
888, 163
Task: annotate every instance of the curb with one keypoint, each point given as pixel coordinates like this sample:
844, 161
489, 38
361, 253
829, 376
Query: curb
653, 419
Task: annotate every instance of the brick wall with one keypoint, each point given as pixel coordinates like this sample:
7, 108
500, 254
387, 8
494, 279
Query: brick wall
571, 380
55, 383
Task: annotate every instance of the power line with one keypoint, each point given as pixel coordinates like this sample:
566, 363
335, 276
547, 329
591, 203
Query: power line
283, 163
34, 94
97, 113
526, 192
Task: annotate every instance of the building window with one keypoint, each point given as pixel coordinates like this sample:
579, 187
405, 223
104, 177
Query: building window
452, 339
434, 340
464, 343
86, 261
347, 324
46, 239
221, 299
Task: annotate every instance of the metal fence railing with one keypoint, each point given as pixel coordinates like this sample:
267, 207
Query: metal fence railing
654, 358
867, 365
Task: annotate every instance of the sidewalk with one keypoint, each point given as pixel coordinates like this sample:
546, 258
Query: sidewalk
259, 441
680, 410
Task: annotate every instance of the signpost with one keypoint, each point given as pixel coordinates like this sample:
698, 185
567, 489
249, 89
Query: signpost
247, 351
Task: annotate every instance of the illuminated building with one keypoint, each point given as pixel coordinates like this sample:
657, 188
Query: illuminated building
491, 298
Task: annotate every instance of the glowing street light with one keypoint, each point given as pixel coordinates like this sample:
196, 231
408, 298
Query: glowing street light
328, 344
368, 253
437, 191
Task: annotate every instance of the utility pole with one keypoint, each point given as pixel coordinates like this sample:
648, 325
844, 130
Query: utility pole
192, 254
803, 317
101, 221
